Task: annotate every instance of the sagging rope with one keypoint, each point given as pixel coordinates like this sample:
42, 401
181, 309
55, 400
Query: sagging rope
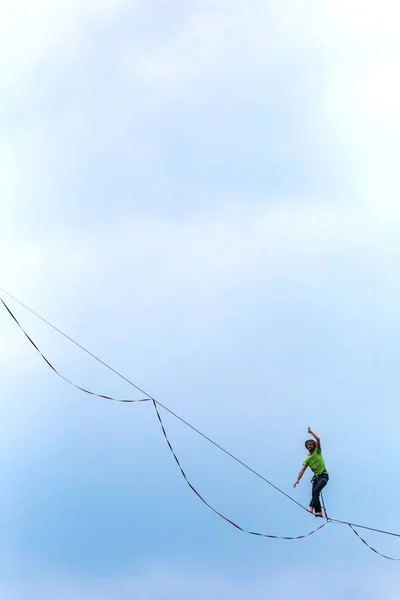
155, 403
166, 438
277, 537
368, 545
62, 376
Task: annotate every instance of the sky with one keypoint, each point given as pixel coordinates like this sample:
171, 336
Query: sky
204, 195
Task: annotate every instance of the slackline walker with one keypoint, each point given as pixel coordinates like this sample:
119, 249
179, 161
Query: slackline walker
311, 445
316, 463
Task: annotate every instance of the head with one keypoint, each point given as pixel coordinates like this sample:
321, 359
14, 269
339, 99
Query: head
310, 445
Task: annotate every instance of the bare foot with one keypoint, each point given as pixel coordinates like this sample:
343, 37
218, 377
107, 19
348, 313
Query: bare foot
310, 510
319, 515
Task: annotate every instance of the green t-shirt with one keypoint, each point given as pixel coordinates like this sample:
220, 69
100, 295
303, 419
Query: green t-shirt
315, 462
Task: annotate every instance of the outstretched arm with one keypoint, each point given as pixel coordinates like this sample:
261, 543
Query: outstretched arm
300, 475
316, 437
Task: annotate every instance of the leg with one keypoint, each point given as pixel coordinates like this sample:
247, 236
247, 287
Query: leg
311, 506
318, 484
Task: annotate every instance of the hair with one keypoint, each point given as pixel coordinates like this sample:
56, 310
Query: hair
313, 442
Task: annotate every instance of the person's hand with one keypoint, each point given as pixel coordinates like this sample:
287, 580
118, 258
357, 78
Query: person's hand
309, 430
295, 483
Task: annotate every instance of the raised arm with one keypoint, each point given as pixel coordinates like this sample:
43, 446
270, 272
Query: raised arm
300, 475
316, 437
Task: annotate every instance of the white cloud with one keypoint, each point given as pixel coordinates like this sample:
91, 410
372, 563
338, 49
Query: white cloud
363, 98
183, 256
221, 38
197, 260
372, 20
207, 254
33, 32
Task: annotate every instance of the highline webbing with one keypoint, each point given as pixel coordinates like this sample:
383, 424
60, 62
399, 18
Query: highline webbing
62, 376
167, 440
155, 403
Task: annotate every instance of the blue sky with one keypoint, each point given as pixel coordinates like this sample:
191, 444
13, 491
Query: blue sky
205, 196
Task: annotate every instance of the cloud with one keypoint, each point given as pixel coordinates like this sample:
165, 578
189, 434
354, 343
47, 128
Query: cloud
208, 253
363, 98
222, 40
32, 33
142, 278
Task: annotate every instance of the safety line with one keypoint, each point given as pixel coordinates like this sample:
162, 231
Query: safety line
155, 403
